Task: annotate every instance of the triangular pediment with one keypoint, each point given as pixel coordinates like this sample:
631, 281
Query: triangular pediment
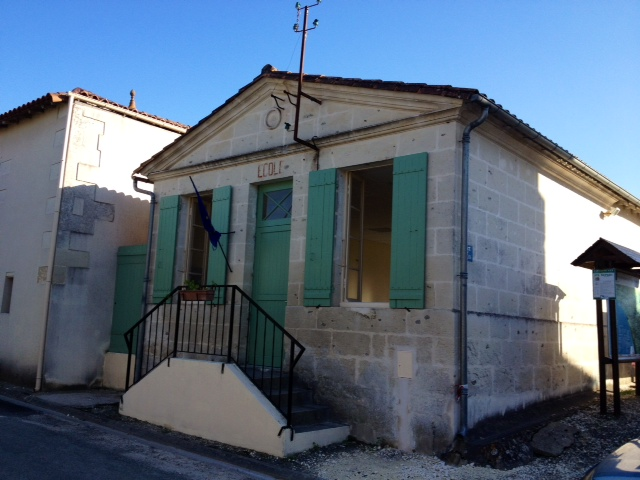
262, 116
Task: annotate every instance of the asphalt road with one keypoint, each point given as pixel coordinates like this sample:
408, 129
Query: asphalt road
35, 444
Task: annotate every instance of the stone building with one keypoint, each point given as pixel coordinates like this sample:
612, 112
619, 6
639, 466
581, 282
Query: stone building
67, 203
425, 303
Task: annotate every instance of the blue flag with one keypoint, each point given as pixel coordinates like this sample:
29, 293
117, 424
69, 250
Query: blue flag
214, 235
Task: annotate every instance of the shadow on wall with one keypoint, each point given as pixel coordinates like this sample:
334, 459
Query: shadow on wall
520, 351
94, 222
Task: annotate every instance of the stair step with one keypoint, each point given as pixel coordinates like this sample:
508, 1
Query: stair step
308, 419
308, 414
318, 435
318, 427
280, 398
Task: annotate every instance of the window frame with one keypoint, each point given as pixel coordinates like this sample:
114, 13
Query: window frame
195, 227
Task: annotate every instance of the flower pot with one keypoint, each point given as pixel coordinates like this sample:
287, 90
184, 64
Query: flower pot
197, 295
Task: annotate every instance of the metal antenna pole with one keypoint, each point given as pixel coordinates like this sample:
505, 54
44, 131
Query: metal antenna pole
305, 29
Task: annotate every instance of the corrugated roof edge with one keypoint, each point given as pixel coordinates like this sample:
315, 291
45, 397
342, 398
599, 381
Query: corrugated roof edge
50, 100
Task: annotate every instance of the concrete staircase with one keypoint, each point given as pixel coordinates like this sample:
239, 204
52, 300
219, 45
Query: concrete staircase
307, 416
219, 402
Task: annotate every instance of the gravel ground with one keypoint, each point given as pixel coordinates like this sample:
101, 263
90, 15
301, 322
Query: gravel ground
598, 435
506, 458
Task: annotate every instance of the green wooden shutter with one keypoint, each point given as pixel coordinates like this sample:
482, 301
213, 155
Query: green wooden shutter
220, 216
166, 247
409, 231
318, 271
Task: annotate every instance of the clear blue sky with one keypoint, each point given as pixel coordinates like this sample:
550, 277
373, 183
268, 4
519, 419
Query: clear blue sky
569, 68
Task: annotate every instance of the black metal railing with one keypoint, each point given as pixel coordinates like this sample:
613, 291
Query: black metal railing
220, 323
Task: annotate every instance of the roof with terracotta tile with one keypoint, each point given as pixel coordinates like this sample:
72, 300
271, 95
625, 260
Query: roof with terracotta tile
51, 100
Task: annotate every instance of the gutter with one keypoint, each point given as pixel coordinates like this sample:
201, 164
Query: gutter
462, 387
52, 247
147, 267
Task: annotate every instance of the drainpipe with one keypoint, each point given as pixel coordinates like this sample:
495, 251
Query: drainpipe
463, 387
52, 247
147, 267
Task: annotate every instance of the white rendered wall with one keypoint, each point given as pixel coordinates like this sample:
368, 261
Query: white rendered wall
100, 212
198, 398
30, 155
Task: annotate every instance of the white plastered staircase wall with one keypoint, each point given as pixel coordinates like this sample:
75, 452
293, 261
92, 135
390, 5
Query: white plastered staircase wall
196, 398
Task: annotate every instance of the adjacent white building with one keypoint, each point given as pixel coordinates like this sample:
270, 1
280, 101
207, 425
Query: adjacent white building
66, 204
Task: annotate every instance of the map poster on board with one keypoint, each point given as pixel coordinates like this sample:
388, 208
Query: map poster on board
604, 284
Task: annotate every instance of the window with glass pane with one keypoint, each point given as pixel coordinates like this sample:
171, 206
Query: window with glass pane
369, 235
198, 243
276, 205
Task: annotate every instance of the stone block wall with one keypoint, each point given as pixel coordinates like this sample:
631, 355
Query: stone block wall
353, 363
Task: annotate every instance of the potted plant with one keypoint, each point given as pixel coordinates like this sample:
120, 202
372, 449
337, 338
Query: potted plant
196, 293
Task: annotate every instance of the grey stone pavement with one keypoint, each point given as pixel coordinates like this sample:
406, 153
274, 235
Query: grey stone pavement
100, 408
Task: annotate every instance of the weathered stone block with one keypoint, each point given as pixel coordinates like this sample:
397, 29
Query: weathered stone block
444, 295
497, 227
486, 250
439, 216
435, 380
500, 328
72, 258
480, 379
542, 379
547, 353
484, 352
347, 343
336, 370
488, 299
509, 303
431, 433
378, 346
526, 307
301, 317
372, 374
478, 327
339, 318
559, 377
444, 351
445, 240
503, 380
318, 340
511, 354
530, 352
446, 188
524, 380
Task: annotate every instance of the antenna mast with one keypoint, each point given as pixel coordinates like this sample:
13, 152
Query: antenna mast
305, 29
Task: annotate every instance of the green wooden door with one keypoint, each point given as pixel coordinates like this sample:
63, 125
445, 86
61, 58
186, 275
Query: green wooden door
127, 304
271, 270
